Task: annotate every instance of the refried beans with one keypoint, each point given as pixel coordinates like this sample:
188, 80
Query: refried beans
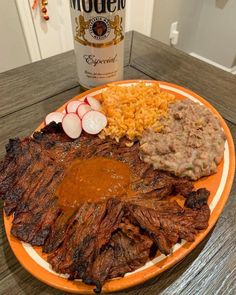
191, 143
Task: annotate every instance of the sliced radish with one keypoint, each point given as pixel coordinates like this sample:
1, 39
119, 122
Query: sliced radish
93, 122
94, 103
54, 117
72, 125
73, 106
83, 109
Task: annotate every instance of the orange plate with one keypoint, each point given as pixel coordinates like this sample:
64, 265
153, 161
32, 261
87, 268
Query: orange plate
219, 184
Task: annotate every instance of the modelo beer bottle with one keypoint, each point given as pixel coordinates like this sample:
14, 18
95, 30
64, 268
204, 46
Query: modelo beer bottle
98, 29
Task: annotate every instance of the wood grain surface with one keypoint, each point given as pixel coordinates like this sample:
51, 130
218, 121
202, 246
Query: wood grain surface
28, 93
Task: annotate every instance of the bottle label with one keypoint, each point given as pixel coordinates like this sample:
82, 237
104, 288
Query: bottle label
98, 27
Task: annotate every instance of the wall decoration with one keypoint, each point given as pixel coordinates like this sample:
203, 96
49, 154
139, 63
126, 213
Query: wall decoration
43, 7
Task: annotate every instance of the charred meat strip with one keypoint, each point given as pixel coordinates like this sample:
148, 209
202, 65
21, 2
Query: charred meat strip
167, 228
39, 202
197, 199
123, 254
25, 175
110, 223
84, 254
59, 230
129, 254
63, 258
99, 269
132, 249
78, 248
20, 161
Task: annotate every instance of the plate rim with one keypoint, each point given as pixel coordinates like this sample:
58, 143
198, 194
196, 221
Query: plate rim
116, 284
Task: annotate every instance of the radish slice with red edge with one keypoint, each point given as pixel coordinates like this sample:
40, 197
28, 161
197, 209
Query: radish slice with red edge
71, 125
54, 117
83, 109
94, 103
93, 122
72, 106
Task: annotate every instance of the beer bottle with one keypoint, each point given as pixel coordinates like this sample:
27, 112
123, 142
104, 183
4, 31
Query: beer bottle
98, 29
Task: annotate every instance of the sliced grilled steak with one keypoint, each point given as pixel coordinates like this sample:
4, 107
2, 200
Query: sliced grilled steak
94, 242
126, 250
169, 223
74, 254
132, 249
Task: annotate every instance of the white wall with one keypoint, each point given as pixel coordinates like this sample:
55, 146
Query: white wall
207, 28
13, 47
139, 16
216, 33
185, 12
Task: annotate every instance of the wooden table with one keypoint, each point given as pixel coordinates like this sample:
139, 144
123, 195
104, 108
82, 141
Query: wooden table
28, 93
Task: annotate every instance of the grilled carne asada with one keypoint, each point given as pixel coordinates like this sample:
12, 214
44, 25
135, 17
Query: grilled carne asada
95, 242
